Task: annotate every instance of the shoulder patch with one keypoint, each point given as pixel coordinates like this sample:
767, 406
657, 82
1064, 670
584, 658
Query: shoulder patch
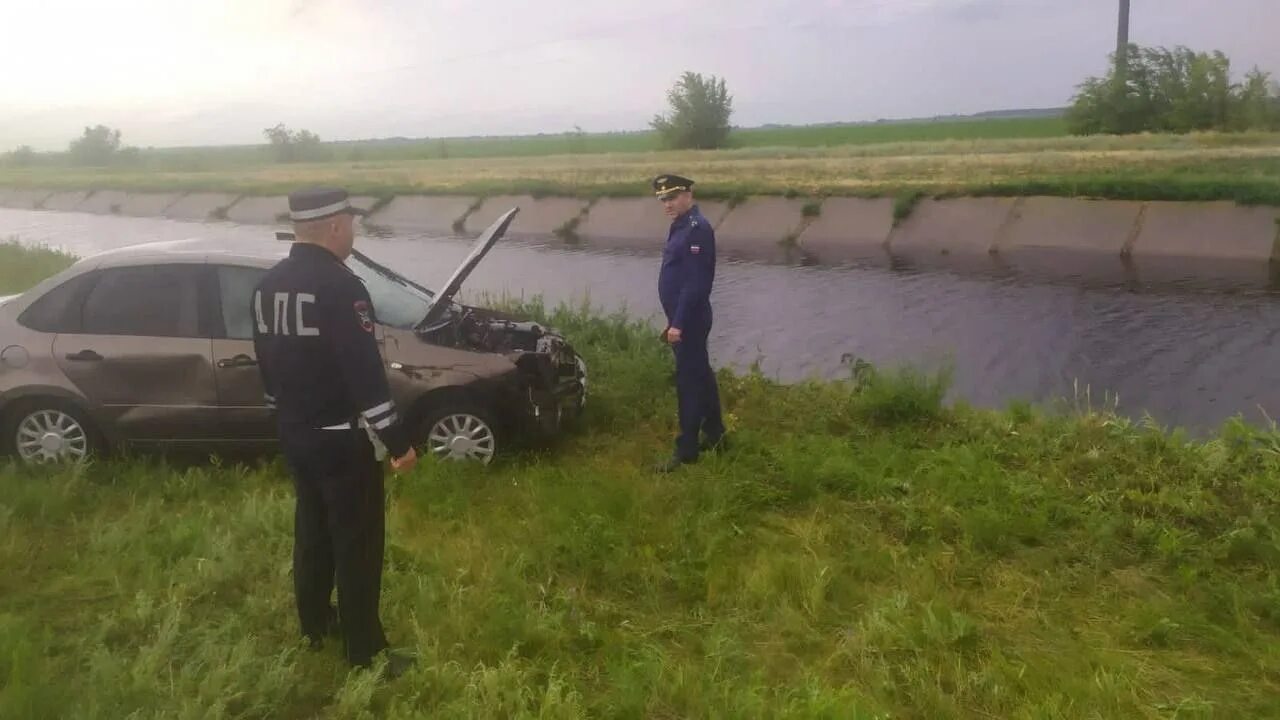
364, 315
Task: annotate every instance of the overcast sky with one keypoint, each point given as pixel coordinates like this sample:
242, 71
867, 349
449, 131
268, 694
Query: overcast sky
179, 72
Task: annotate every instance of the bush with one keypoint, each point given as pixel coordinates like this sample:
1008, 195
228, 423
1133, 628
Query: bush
98, 146
294, 145
700, 112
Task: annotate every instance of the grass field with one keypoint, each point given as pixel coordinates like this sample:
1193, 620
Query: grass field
862, 552
1244, 167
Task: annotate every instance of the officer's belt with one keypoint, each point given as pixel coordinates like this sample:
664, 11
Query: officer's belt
379, 450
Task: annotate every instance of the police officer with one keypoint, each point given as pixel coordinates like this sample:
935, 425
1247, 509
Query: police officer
321, 370
684, 288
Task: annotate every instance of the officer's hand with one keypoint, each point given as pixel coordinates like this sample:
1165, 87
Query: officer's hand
406, 463
673, 335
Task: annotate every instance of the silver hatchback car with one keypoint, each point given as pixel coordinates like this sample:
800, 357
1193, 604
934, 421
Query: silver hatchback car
152, 345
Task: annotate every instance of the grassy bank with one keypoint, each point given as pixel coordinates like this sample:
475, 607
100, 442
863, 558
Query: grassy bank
862, 552
1242, 167
21, 266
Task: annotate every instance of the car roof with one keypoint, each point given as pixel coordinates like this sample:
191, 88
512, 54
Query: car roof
261, 253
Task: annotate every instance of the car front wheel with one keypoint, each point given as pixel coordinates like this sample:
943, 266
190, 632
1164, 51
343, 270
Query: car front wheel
48, 431
461, 432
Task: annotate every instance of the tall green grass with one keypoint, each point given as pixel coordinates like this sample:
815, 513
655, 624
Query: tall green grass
22, 266
863, 551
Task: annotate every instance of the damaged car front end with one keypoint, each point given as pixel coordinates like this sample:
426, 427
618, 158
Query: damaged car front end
498, 369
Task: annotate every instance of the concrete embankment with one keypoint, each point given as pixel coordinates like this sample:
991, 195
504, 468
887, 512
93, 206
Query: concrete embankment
1060, 235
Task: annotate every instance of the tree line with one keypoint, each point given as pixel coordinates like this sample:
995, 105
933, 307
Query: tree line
1160, 90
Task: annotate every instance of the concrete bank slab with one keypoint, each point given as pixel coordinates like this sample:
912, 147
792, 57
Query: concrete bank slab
760, 221
1206, 273
1071, 266
422, 213
625, 222
65, 201
23, 199
1092, 226
259, 210
147, 204
364, 202
959, 226
541, 216
1220, 230
102, 202
635, 223
848, 229
199, 206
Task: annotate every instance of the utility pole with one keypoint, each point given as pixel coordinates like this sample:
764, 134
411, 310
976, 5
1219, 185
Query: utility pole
1122, 41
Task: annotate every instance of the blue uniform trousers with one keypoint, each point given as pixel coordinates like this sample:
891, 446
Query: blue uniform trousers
338, 535
696, 391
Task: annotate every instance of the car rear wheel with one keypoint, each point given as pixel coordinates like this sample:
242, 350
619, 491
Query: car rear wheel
49, 431
461, 432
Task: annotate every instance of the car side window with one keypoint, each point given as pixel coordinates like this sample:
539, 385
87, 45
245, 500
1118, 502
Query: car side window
61, 309
235, 286
148, 301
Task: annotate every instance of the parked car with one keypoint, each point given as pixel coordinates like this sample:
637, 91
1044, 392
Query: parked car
152, 345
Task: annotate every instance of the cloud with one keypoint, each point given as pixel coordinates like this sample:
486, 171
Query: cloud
188, 72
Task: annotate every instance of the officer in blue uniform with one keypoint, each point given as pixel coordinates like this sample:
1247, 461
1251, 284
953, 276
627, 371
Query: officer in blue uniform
684, 288
322, 371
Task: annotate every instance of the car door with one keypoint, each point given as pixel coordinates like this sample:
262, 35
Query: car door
142, 353
242, 412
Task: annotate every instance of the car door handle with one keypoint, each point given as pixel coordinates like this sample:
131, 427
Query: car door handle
238, 361
85, 356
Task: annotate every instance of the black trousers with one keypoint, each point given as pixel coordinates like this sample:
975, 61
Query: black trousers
338, 534
696, 391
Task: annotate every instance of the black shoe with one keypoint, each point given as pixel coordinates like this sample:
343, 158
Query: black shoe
398, 664
332, 629
671, 465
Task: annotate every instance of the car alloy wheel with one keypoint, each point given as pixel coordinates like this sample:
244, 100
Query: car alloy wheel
462, 436
51, 435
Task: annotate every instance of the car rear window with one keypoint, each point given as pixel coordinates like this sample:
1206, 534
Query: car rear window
152, 301
59, 310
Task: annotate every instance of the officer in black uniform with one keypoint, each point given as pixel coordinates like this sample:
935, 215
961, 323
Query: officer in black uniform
684, 288
321, 369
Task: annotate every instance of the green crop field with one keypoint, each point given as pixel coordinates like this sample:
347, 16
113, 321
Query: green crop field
862, 551
543, 145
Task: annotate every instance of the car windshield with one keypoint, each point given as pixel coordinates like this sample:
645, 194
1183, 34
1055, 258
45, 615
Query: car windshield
397, 302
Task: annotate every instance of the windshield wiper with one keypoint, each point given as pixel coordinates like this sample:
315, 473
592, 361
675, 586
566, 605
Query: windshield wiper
389, 273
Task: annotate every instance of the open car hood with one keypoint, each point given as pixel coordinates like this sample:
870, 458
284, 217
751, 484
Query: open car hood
483, 244
440, 301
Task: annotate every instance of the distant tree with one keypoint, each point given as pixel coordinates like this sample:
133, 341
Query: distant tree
700, 112
1259, 102
293, 146
577, 140
98, 146
22, 156
1176, 91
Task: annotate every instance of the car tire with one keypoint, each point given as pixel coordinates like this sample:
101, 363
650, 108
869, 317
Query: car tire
455, 429
47, 430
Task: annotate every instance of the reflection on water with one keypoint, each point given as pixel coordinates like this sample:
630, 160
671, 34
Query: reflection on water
1031, 326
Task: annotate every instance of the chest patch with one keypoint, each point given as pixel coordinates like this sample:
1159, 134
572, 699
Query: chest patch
695, 249
364, 316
